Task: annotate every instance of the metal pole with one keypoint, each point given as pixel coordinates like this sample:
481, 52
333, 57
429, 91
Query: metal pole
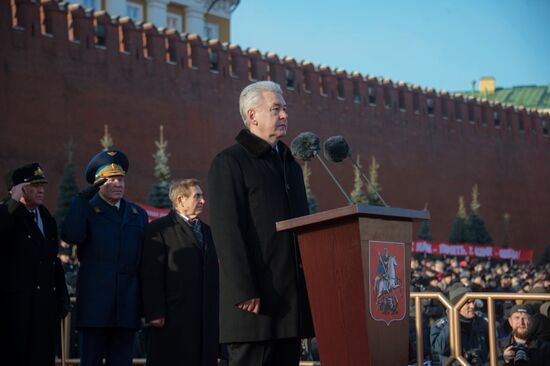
419, 332
492, 331
350, 201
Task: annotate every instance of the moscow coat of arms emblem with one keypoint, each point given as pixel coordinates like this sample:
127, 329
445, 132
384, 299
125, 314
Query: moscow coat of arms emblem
387, 281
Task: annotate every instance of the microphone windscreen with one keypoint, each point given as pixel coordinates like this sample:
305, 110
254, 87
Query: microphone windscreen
336, 149
305, 146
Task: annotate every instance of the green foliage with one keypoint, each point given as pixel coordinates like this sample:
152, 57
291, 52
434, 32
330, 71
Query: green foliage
470, 229
311, 201
158, 196
477, 231
544, 257
459, 230
67, 187
358, 195
374, 189
425, 233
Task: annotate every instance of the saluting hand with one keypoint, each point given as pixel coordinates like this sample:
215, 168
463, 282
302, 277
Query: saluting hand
16, 191
89, 192
252, 305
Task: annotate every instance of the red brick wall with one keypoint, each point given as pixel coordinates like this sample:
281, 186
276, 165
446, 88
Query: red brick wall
61, 85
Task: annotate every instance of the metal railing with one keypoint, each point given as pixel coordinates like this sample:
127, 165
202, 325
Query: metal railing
454, 321
452, 311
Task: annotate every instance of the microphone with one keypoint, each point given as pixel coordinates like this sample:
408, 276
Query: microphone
306, 146
337, 149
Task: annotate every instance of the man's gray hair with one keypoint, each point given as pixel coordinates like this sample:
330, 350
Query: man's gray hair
181, 187
251, 96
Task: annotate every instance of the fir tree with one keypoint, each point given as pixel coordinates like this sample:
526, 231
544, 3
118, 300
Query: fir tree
67, 188
374, 189
459, 230
425, 233
311, 201
544, 256
158, 196
477, 231
358, 195
106, 141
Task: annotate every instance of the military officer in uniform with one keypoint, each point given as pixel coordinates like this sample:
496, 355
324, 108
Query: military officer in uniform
34, 295
108, 231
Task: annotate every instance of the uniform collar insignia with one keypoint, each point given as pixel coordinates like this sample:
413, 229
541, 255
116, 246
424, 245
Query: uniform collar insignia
97, 210
134, 210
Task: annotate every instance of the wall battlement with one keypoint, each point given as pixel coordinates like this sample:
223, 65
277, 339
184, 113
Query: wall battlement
66, 72
67, 30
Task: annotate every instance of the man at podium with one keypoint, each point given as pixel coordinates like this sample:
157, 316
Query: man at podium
264, 309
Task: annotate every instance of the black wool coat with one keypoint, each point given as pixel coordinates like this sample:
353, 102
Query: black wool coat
251, 186
33, 287
180, 284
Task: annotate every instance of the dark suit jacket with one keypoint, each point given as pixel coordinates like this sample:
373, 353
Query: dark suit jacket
33, 286
180, 284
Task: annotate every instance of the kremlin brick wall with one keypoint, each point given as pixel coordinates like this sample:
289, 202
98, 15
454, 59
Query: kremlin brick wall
65, 73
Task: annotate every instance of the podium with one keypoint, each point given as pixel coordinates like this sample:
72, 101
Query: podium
356, 262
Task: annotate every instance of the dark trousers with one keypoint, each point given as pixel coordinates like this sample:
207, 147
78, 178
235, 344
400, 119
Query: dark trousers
114, 344
277, 352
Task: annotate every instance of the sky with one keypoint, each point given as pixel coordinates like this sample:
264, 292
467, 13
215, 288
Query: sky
443, 44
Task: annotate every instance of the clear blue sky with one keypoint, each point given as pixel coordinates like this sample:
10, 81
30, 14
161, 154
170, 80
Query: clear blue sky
444, 44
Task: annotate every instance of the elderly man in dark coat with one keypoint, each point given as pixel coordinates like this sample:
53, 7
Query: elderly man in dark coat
179, 271
108, 231
34, 294
264, 308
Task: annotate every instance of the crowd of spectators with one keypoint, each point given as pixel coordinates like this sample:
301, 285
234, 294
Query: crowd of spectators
445, 275
429, 274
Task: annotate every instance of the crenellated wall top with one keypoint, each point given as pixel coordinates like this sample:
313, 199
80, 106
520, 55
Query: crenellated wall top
72, 22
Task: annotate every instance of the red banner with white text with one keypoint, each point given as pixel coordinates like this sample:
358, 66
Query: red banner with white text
152, 212
477, 251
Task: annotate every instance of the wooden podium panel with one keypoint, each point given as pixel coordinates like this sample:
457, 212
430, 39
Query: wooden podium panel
334, 248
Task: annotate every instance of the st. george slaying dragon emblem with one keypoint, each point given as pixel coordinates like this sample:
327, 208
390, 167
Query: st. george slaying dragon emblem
387, 281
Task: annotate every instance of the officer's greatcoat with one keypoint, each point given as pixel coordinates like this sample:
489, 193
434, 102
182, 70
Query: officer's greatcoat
109, 249
32, 285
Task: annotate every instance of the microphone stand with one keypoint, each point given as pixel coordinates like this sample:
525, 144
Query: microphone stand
366, 179
350, 201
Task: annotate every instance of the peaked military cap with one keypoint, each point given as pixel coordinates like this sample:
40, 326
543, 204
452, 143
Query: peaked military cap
30, 173
107, 164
